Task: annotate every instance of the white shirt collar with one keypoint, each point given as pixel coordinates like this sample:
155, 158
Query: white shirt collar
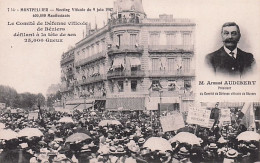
228, 51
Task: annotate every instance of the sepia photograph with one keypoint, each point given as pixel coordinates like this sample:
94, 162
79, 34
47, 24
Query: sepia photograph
227, 61
129, 81
229, 58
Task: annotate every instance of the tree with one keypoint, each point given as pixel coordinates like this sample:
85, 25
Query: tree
26, 100
8, 95
41, 99
52, 98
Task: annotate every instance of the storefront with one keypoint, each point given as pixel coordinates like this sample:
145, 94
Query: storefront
125, 104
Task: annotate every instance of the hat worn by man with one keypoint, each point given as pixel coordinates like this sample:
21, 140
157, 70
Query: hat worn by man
112, 149
162, 153
23, 145
120, 149
131, 137
183, 151
141, 141
252, 147
116, 141
213, 146
108, 140
232, 153
134, 149
59, 158
43, 157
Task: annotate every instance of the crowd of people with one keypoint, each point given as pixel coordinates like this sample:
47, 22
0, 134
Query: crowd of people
118, 137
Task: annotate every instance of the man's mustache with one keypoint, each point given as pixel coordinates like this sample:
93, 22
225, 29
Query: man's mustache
230, 41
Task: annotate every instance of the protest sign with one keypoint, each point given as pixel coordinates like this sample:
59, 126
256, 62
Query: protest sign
199, 116
225, 116
172, 122
33, 115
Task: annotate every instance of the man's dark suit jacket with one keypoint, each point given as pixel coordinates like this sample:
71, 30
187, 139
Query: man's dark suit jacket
221, 62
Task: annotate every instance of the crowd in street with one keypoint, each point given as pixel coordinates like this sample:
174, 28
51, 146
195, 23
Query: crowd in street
119, 137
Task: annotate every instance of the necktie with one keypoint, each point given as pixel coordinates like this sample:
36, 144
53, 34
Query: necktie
232, 54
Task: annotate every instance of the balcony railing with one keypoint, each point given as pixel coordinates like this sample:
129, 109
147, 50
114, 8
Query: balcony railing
156, 20
69, 73
92, 79
68, 59
136, 21
170, 48
165, 93
188, 96
125, 48
164, 73
124, 21
91, 58
119, 74
66, 89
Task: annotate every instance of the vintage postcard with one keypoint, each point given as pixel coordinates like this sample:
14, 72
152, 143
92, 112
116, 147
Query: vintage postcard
129, 80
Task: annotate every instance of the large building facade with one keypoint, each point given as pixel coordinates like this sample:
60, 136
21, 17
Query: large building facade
132, 63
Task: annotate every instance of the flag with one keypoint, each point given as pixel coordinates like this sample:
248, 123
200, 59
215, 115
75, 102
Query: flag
246, 117
243, 111
155, 86
252, 119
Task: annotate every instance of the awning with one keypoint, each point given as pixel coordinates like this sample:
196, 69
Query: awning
69, 107
69, 111
134, 62
81, 107
80, 101
89, 101
118, 62
137, 103
169, 106
100, 104
152, 103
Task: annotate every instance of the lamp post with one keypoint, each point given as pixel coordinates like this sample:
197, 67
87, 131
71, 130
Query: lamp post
160, 94
64, 102
84, 96
85, 102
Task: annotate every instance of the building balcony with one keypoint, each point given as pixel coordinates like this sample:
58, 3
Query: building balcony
92, 79
171, 48
124, 21
69, 73
256, 104
164, 73
123, 74
178, 93
166, 93
188, 96
127, 93
66, 89
67, 59
92, 58
169, 21
97, 95
125, 49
